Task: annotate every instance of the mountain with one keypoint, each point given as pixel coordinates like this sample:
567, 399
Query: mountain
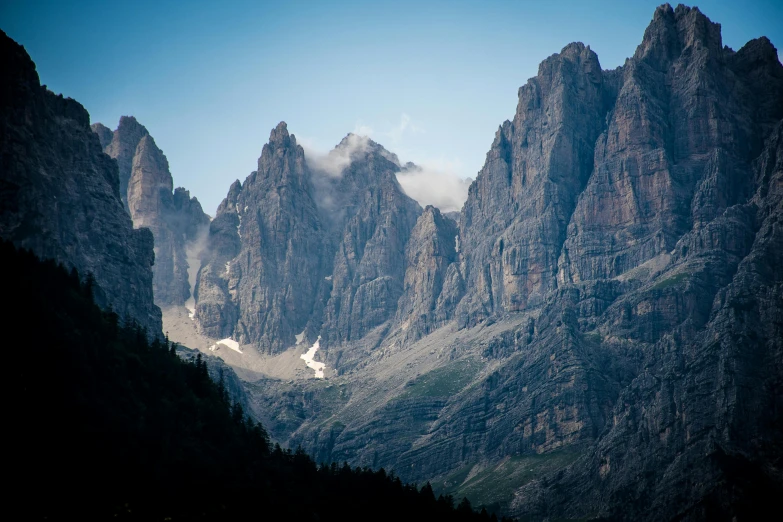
59, 194
177, 221
296, 251
372, 219
598, 333
263, 270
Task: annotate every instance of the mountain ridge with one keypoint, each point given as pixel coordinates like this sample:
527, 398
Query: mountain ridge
596, 335
612, 212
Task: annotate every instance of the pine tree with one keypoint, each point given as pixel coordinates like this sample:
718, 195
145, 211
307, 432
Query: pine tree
427, 494
89, 287
464, 506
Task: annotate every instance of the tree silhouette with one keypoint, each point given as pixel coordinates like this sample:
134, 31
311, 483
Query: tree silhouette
108, 424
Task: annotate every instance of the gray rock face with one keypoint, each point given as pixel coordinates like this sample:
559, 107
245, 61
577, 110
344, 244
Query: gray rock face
373, 222
123, 149
611, 303
264, 270
175, 220
514, 222
59, 194
675, 154
216, 314
675, 185
428, 254
294, 250
696, 434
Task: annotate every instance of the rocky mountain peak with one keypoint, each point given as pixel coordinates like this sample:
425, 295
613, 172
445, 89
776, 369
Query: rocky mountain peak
758, 52
188, 217
123, 149
565, 63
105, 135
429, 253
14, 57
356, 147
233, 193
130, 125
282, 157
299, 249
150, 186
523, 196
265, 295
279, 136
671, 31
756, 59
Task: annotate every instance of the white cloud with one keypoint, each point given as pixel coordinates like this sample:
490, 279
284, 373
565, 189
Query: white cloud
334, 161
436, 183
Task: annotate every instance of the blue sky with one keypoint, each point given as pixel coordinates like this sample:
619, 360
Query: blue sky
431, 81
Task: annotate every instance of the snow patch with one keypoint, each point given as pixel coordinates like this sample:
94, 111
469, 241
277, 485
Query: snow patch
236, 206
456, 243
308, 359
228, 267
328, 278
300, 337
191, 313
229, 343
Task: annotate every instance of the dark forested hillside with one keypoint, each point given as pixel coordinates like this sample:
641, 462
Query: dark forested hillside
102, 424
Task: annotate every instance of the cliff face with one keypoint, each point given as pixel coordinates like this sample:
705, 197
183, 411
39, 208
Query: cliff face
105, 135
60, 194
293, 250
513, 224
215, 311
675, 219
676, 152
264, 267
428, 254
373, 222
175, 219
696, 434
122, 148
609, 313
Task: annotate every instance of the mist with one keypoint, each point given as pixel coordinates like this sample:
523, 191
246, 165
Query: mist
433, 182
434, 185
333, 162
